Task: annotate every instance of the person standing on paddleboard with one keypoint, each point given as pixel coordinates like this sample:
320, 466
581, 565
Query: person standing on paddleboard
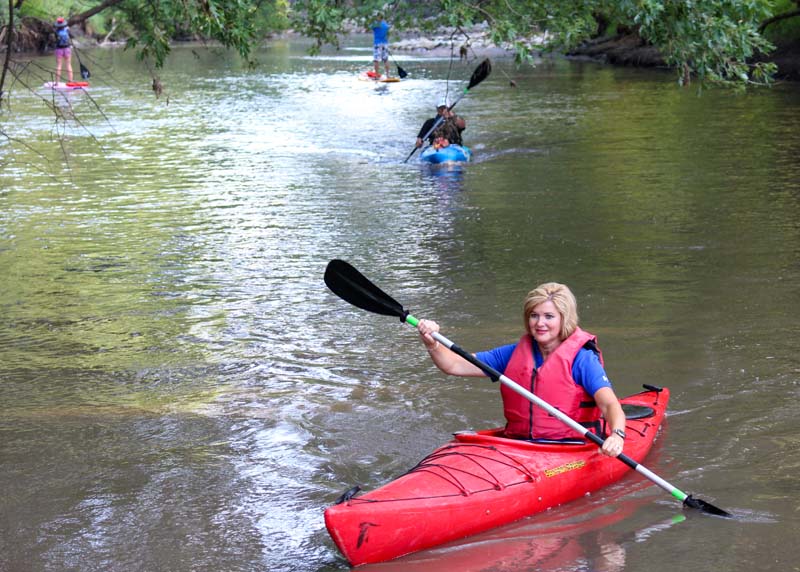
557, 361
380, 46
63, 49
448, 132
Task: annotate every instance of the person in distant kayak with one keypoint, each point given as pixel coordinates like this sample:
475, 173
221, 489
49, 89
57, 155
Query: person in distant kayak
448, 132
555, 360
380, 46
63, 49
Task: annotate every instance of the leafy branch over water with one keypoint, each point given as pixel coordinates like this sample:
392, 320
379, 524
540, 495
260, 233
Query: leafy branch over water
713, 41
710, 40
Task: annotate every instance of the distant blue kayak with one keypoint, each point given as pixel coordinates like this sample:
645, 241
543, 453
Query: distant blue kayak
455, 153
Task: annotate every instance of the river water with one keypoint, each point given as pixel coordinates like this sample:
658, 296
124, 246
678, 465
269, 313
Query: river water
179, 391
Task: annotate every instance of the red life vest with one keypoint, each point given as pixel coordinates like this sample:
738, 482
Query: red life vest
554, 384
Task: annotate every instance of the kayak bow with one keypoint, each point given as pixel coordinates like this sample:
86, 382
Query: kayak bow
450, 154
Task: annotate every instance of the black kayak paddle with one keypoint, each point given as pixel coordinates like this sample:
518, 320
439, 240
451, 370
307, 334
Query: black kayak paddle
400, 71
353, 287
85, 73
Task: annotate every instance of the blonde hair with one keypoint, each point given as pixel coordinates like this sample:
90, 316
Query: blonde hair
564, 301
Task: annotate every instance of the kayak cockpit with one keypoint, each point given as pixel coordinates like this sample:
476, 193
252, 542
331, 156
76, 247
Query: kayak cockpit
497, 435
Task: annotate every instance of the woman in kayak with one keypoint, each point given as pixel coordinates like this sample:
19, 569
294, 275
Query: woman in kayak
557, 361
448, 132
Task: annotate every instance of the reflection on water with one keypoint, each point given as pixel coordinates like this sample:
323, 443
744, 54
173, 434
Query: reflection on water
447, 177
180, 391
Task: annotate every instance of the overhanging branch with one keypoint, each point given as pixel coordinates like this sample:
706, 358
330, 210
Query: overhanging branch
80, 18
778, 18
9, 36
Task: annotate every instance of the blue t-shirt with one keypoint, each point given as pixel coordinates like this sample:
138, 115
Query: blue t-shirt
587, 370
380, 33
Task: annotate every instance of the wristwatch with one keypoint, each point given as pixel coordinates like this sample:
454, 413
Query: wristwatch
620, 432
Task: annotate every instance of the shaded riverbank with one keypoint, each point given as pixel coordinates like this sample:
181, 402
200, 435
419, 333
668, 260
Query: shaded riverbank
631, 50
621, 50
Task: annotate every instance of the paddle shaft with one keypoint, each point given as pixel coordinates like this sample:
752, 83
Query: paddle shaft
574, 425
400, 71
85, 73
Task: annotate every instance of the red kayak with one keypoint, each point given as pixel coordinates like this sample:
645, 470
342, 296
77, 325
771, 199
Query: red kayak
481, 480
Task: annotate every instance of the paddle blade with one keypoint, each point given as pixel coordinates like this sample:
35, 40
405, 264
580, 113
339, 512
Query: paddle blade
706, 507
401, 72
481, 73
85, 73
353, 287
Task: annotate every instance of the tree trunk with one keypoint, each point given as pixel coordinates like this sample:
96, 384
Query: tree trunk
9, 38
778, 18
81, 18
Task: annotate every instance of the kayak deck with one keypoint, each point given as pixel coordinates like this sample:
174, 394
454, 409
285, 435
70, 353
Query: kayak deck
449, 154
478, 481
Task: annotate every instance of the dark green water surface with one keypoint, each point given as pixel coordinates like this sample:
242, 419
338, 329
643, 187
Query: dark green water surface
179, 391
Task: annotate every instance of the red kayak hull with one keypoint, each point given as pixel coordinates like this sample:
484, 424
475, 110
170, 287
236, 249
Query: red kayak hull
479, 481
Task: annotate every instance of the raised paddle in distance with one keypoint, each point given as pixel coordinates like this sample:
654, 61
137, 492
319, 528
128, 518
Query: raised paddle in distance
85, 73
400, 71
353, 287
481, 73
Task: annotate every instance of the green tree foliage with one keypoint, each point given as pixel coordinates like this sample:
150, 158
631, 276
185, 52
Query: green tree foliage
150, 25
230, 22
784, 25
712, 40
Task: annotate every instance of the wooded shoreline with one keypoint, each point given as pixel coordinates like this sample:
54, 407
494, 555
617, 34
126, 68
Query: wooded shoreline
620, 50
631, 50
